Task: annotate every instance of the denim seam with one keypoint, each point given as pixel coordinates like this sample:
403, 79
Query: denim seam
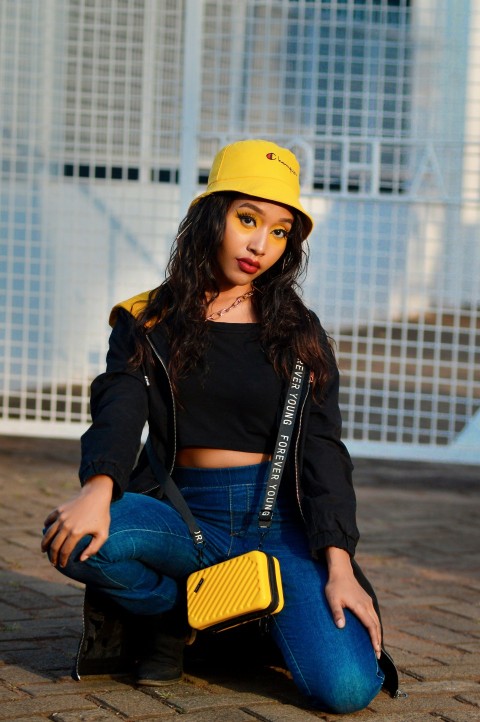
292, 657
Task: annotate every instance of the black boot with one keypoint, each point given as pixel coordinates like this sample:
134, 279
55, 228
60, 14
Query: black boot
161, 641
106, 643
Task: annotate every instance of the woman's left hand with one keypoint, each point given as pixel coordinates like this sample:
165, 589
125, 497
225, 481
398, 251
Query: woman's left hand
344, 592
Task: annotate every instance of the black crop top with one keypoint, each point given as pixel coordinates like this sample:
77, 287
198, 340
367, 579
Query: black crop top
234, 403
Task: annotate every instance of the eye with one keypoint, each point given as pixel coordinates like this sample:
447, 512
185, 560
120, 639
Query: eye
247, 219
280, 233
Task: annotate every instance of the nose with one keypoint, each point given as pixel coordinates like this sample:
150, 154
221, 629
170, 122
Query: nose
257, 243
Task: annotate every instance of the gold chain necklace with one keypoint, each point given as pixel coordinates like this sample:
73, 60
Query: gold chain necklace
218, 314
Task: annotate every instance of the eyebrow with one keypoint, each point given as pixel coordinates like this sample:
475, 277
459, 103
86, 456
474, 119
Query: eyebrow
255, 208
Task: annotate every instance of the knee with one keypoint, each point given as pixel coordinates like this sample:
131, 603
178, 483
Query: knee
74, 566
346, 694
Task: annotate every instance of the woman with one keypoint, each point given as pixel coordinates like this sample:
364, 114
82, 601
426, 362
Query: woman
205, 359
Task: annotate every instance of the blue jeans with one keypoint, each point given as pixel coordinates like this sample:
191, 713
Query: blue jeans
149, 548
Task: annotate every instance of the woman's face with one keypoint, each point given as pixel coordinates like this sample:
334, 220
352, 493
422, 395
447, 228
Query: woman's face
256, 233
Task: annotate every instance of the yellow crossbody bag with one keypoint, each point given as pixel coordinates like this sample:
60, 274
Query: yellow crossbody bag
235, 591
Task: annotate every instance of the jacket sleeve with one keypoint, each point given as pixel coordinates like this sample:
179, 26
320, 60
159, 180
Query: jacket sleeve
327, 495
119, 409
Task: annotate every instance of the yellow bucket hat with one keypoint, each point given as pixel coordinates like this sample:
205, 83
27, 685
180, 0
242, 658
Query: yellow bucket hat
261, 169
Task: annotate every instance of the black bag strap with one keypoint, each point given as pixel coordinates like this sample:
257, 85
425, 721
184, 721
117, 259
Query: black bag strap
282, 445
173, 493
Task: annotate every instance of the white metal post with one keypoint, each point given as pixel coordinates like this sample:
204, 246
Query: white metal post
192, 77
148, 95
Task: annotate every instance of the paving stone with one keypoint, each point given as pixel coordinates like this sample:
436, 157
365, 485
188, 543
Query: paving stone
456, 686
68, 686
368, 716
11, 710
96, 715
34, 718
9, 695
416, 702
184, 698
281, 713
41, 659
70, 613
472, 698
443, 620
404, 658
24, 598
460, 716
36, 629
10, 612
465, 594
187, 698
469, 611
72, 597
9, 646
438, 634
452, 657
135, 704
18, 675
22, 538
413, 643
270, 685
470, 648
462, 670
214, 715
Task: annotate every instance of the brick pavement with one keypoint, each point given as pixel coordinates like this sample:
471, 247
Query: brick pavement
420, 546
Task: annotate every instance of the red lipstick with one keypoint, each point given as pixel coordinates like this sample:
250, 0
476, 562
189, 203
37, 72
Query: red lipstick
248, 265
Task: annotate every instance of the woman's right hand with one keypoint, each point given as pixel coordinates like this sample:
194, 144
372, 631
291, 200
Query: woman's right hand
88, 513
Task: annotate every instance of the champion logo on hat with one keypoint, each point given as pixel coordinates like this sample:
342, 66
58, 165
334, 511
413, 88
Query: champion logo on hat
274, 156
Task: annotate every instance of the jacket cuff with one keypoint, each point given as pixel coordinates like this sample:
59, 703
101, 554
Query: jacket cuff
102, 467
331, 539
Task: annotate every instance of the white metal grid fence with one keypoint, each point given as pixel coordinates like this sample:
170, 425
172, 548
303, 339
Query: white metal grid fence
110, 115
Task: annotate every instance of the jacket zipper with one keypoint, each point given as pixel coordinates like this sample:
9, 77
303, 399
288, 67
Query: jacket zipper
173, 400
77, 677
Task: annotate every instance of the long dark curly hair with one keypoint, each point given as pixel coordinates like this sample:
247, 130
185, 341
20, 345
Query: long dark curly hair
288, 330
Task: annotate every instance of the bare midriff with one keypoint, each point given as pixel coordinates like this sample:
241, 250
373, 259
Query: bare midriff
217, 458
